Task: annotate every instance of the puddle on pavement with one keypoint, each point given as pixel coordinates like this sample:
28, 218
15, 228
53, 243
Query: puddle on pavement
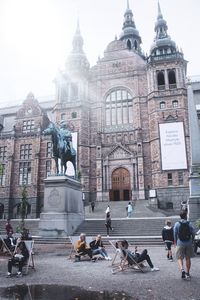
54, 292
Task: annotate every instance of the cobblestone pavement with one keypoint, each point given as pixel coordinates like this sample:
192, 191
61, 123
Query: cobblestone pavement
53, 266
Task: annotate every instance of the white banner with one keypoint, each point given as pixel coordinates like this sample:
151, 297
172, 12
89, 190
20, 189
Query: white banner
172, 141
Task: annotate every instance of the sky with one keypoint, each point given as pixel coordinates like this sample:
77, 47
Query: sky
36, 37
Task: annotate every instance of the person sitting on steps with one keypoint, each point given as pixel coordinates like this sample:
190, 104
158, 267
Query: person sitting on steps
136, 256
98, 247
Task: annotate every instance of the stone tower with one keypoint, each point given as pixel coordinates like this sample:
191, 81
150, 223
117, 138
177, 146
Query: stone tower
72, 103
168, 116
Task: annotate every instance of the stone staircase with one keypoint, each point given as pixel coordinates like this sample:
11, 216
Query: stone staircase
135, 227
143, 228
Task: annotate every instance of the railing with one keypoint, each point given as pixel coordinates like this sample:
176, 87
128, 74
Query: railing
177, 55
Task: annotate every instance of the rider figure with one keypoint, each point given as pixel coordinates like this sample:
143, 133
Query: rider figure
65, 136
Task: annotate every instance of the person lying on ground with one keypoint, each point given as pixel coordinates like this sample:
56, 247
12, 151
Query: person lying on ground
82, 248
136, 256
98, 247
19, 258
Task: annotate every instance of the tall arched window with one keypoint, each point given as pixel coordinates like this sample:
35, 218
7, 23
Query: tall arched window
172, 79
119, 108
161, 80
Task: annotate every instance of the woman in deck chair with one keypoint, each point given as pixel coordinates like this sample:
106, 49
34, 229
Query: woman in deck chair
136, 256
19, 259
98, 247
82, 248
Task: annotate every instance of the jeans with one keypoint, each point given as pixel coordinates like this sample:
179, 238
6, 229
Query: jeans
13, 262
141, 257
83, 251
108, 227
100, 251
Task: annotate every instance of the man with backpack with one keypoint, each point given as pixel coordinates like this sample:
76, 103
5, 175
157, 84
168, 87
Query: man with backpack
183, 236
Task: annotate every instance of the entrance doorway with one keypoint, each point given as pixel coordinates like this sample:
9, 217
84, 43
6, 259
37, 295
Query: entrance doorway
121, 187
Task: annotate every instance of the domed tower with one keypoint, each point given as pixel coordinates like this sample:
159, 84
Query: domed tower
168, 117
129, 32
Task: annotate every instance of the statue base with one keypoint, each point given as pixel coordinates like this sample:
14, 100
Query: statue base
194, 209
63, 207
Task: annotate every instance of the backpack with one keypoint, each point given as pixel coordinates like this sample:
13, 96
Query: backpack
184, 232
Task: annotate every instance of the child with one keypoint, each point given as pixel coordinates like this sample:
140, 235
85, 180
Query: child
168, 238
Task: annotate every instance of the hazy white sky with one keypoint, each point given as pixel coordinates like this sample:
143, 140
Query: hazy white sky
36, 37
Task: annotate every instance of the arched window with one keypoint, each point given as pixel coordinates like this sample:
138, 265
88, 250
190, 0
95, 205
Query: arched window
63, 116
161, 80
162, 105
172, 79
135, 45
119, 108
129, 44
74, 115
74, 91
175, 103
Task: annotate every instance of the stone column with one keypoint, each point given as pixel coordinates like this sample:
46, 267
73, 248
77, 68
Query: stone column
194, 178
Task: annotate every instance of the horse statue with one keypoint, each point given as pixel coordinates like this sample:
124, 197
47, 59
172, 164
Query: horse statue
62, 146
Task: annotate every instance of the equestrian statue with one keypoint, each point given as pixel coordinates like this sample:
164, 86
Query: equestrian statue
62, 146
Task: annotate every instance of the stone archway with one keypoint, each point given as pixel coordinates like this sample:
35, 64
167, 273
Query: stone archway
121, 185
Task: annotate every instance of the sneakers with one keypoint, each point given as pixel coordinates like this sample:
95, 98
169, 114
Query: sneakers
183, 274
8, 275
108, 236
108, 258
154, 269
187, 276
171, 258
19, 274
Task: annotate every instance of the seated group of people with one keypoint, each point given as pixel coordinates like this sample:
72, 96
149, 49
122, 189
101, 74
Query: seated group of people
17, 247
96, 247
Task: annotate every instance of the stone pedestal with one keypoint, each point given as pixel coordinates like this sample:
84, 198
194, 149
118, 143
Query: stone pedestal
63, 207
194, 209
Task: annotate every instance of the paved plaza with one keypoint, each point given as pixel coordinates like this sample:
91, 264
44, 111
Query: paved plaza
53, 266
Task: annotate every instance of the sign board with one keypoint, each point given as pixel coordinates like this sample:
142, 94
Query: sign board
172, 142
152, 193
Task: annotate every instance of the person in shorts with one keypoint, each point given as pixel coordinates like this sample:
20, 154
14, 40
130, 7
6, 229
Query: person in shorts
183, 236
168, 238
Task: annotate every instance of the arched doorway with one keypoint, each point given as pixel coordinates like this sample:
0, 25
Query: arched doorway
121, 185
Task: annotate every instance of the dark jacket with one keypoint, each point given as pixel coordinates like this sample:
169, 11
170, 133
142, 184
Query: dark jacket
168, 234
96, 244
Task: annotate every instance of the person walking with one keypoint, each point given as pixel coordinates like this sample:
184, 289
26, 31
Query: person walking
168, 238
129, 210
107, 209
183, 236
108, 223
92, 206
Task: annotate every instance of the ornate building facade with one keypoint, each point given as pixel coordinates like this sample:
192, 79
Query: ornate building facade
130, 113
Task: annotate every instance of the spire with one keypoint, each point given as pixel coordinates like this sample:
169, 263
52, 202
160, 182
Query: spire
77, 40
77, 60
160, 16
129, 32
162, 43
128, 4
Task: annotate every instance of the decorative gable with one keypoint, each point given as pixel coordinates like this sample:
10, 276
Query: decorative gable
119, 152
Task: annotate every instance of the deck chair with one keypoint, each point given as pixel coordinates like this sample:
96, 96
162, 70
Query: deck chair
124, 262
30, 262
5, 246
